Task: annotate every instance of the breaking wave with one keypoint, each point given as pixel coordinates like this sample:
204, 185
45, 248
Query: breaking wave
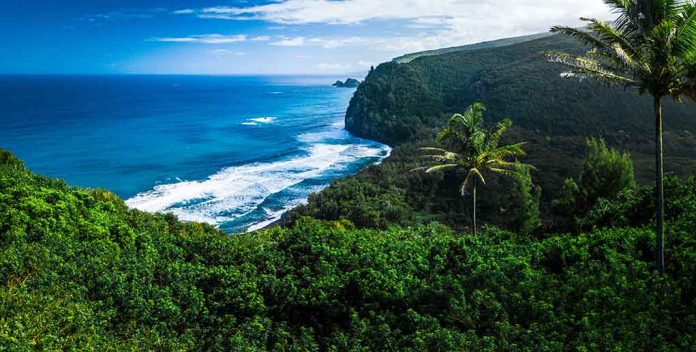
258, 120
254, 195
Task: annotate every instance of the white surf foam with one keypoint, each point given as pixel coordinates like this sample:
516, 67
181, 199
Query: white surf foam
264, 119
274, 215
314, 137
258, 120
237, 191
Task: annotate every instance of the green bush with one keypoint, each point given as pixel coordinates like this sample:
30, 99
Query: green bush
8, 159
79, 270
605, 174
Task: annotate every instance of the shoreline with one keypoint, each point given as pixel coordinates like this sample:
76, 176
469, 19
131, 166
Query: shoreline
283, 217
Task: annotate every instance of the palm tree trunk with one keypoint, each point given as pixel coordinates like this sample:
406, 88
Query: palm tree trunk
659, 187
473, 213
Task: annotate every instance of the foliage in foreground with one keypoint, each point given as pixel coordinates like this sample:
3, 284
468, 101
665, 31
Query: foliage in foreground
80, 270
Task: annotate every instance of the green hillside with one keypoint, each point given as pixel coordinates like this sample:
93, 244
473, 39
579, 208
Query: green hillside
400, 102
80, 271
483, 45
404, 104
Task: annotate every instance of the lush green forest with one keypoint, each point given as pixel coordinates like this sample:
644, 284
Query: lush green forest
399, 103
404, 104
81, 271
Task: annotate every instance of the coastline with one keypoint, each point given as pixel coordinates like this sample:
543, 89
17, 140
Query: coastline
282, 219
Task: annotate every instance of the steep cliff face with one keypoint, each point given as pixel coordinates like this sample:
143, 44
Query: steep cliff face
393, 100
400, 102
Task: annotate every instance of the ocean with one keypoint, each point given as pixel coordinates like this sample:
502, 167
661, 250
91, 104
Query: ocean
233, 151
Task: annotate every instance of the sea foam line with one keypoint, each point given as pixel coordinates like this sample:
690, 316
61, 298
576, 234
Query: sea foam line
258, 120
236, 191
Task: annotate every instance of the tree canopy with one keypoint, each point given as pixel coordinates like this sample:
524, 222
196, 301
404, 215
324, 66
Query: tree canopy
78, 269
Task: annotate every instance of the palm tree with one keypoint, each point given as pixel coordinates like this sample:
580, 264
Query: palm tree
650, 47
475, 150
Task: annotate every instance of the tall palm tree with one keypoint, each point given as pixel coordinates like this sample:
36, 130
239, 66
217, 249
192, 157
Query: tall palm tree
650, 47
475, 150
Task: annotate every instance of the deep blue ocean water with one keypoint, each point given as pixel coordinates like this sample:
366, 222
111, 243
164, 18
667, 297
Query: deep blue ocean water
235, 151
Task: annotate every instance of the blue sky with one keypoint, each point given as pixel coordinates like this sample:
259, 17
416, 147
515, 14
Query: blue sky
256, 37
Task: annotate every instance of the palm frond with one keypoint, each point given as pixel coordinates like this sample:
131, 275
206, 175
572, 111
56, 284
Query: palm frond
584, 67
580, 35
433, 149
510, 165
503, 171
686, 36
440, 168
612, 39
473, 172
507, 151
418, 169
479, 151
500, 128
443, 158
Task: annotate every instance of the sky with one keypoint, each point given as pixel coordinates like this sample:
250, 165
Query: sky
256, 37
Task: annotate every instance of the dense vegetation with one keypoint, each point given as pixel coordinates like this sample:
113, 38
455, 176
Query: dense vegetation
392, 193
404, 104
400, 103
650, 48
79, 270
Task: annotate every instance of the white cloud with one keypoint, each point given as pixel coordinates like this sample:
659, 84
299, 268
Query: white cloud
441, 23
205, 38
184, 12
334, 67
356, 11
226, 52
297, 41
327, 43
331, 43
217, 16
364, 64
428, 22
373, 31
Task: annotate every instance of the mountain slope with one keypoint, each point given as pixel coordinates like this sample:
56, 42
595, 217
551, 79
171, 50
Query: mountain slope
400, 102
483, 45
404, 104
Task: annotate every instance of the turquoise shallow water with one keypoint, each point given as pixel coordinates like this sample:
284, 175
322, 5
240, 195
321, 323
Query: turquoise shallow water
234, 151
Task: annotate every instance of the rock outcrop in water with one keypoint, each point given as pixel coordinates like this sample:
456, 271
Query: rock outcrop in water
349, 83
